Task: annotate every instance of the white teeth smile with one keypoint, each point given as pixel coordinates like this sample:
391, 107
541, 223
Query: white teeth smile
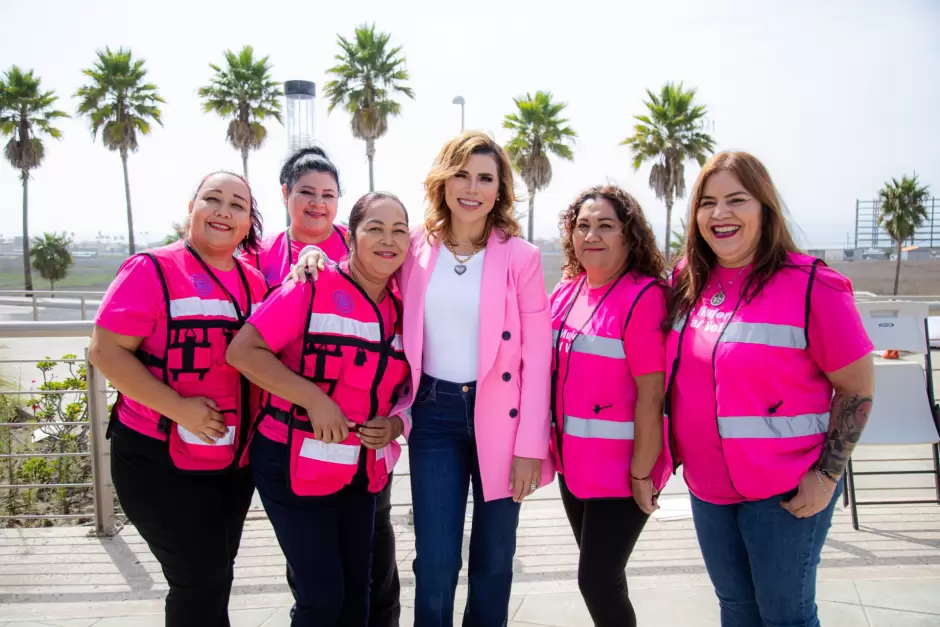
386, 255
469, 203
219, 227
725, 229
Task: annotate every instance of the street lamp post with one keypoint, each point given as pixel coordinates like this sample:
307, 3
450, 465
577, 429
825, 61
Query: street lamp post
299, 98
459, 100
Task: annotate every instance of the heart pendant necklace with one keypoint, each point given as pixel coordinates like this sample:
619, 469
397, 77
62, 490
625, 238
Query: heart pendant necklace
461, 266
719, 297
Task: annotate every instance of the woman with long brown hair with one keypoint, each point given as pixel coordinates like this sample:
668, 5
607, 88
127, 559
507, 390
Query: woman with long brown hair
608, 372
770, 386
478, 335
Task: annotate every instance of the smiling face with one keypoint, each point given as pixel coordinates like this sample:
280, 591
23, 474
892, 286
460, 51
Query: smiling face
220, 215
381, 239
598, 240
729, 219
471, 193
312, 203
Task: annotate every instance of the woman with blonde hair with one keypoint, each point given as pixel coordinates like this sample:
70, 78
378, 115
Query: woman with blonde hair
478, 335
770, 383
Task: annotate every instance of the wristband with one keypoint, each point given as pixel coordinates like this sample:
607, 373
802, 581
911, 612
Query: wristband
646, 478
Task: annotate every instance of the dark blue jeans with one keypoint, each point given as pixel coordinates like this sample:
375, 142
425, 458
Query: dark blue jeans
443, 456
762, 560
327, 541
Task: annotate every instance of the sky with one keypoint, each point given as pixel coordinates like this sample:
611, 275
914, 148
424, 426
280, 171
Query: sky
835, 97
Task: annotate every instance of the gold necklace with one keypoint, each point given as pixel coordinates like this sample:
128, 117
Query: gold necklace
461, 266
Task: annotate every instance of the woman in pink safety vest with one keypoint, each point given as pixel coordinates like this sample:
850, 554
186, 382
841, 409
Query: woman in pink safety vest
310, 186
477, 334
770, 386
608, 368
180, 422
329, 356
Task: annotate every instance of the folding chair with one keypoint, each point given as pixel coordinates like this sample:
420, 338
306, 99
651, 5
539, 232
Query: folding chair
904, 409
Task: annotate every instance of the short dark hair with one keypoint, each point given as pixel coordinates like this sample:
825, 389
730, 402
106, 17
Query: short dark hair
358, 213
311, 159
253, 240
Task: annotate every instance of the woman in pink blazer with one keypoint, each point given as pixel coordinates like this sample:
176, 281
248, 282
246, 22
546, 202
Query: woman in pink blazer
478, 333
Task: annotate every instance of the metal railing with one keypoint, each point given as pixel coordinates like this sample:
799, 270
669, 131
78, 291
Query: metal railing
50, 298
104, 514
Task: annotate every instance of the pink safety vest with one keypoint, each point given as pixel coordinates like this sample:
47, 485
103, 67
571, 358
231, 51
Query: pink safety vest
350, 354
593, 417
773, 400
202, 318
275, 259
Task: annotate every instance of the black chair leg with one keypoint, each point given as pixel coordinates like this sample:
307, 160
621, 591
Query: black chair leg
936, 469
851, 486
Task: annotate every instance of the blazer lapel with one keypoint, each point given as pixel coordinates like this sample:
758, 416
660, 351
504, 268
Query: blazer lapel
492, 301
425, 256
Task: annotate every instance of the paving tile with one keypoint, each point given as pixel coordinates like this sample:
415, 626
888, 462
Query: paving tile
280, 618
250, 618
841, 614
151, 620
898, 618
916, 595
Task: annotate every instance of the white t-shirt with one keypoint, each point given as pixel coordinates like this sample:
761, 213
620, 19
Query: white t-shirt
452, 318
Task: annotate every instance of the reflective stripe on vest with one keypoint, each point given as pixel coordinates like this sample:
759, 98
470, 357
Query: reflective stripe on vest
335, 324
190, 438
762, 427
595, 345
599, 429
765, 334
195, 306
347, 454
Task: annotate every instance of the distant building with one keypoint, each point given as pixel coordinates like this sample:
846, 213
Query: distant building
868, 233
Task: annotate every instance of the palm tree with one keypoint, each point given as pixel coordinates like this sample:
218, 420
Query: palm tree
677, 242
368, 75
26, 111
245, 93
51, 256
539, 132
121, 105
670, 134
902, 212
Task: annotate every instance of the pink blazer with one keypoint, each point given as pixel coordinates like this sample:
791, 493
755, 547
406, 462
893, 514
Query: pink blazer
511, 417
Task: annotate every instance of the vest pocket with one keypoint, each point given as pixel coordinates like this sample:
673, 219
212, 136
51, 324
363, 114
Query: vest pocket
189, 452
316, 468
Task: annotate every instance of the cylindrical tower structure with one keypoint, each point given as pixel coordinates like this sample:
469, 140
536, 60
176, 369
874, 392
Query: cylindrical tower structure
300, 97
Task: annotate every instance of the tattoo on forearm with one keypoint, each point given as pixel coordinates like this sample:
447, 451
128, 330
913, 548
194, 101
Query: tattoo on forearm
848, 417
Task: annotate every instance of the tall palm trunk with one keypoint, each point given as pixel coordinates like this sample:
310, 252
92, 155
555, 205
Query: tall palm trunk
245, 162
531, 213
27, 270
130, 215
370, 153
897, 270
668, 225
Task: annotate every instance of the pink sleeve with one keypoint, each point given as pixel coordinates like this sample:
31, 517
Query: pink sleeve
134, 301
533, 435
281, 317
643, 337
837, 336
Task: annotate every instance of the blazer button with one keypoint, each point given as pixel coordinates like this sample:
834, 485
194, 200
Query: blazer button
506, 335
513, 413
507, 376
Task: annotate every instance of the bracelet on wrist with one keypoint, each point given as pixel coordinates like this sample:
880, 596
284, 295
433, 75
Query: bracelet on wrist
635, 478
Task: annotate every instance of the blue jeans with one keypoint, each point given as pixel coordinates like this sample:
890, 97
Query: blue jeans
762, 560
327, 541
443, 456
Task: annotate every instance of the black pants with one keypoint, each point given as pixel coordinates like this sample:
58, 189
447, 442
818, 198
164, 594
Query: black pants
327, 541
385, 592
192, 524
606, 531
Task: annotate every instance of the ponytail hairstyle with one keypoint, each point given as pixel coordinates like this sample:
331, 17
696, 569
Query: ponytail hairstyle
311, 159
